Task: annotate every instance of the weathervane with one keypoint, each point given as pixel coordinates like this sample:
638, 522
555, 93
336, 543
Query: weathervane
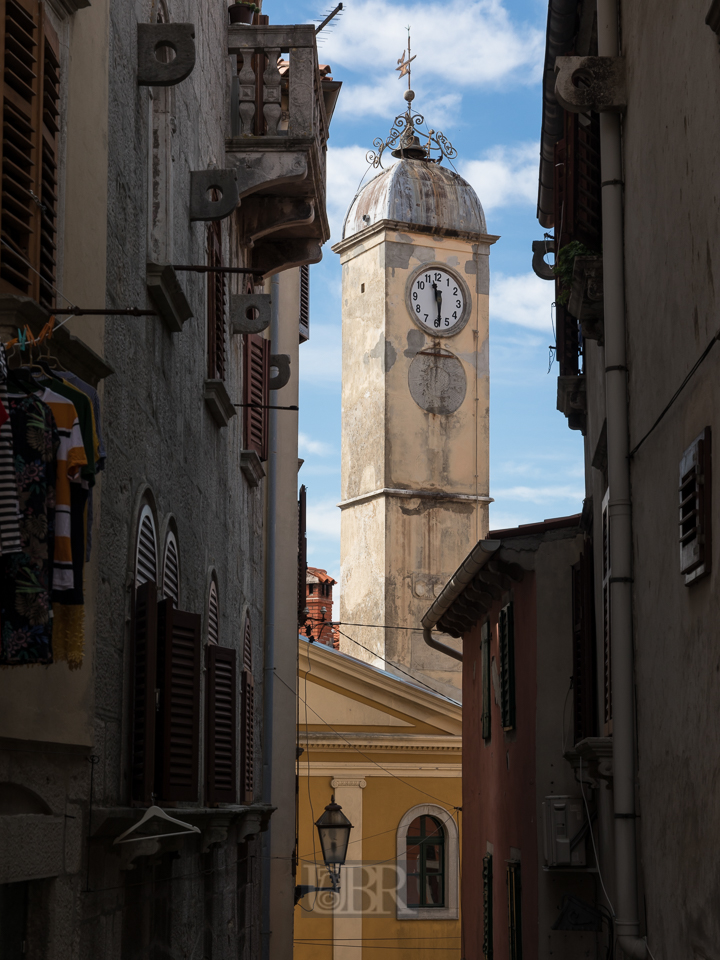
403, 139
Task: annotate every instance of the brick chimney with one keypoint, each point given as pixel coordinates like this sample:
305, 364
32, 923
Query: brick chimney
319, 601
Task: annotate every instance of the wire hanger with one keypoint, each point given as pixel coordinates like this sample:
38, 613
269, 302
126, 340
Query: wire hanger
161, 815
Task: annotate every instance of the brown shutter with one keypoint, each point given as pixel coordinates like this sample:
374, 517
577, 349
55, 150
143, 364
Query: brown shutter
221, 725
486, 681
215, 305
302, 554
577, 186
144, 656
178, 747
695, 513
247, 734
256, 377
583, 647
48, 195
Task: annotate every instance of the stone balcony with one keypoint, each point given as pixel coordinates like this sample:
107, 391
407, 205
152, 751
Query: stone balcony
279, 118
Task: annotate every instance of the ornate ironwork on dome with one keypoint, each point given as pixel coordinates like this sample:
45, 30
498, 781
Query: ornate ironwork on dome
418, 194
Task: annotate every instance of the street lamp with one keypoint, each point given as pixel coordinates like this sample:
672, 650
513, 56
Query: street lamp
333, 828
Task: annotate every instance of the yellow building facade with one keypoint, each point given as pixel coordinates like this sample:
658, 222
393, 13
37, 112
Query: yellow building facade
390, 753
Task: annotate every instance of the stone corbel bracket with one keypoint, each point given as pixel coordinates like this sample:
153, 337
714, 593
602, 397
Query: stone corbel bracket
256, 169
600, 84
252, 467
167, 295
202, 206
249, 312
218, 402
586, 301
540, 249
152, 38
261, 216
281, 362
713, 17
572, 400
271, 257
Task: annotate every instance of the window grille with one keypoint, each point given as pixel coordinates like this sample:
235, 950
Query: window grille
146, 554
304, 303
514, 909
171, 570
426, 863
506, 631
487, 879
695, 513
30, 125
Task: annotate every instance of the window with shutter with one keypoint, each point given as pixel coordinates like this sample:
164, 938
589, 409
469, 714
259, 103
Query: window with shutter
302, 553
146, 553
171, 570
30, 124
514, 909
213, 614
178, 748
256, 377
221, 725
607, 674
584, 710
247, 734
144, 665
487, 878
486, 680
304, 303
506, 631
215, 305
695, 513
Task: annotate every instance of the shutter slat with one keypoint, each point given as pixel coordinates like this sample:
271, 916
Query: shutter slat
144, 685
221, 725
179, 715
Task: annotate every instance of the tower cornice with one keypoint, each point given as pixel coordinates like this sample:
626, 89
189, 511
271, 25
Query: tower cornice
343, 246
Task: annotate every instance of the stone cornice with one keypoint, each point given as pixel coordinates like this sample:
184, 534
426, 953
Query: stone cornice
343, 246
386, 742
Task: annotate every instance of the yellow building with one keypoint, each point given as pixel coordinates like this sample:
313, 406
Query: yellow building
389, 751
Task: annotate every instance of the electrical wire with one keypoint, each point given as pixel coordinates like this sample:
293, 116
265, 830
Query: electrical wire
592, 838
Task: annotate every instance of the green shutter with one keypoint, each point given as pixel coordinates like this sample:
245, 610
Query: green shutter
506, 629
486, 681
487, 907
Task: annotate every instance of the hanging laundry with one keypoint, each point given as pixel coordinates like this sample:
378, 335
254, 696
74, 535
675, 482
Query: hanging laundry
25, 611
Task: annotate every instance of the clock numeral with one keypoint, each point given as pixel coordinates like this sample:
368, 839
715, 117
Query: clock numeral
417, 309
447, 322
437, 323
458, 303
438, 276
447, 281
454, 291
428, 278
421, 285
414, 295
455, 316
426, 318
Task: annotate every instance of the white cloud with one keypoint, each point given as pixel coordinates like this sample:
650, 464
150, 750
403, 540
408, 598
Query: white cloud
468, 43
541, 494
504, 175
524, 299
306, 444
323, 520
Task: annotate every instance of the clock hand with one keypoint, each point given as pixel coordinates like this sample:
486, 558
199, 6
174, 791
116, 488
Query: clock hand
438, 299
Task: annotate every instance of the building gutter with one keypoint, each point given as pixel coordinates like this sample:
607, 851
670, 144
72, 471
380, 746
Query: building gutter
627, 925
465, 574
562, 16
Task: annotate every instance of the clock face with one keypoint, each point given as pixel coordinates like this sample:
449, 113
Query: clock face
437, 300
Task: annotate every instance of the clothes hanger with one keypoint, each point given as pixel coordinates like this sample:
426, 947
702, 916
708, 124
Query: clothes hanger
161, 815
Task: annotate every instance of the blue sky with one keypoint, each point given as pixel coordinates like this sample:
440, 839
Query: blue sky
477, 78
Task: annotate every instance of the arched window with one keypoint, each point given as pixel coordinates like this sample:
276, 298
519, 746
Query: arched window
428, 864
213, 614
146, 553
171, 569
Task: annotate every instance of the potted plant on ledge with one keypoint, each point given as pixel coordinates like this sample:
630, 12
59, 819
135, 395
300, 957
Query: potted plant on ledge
242, 11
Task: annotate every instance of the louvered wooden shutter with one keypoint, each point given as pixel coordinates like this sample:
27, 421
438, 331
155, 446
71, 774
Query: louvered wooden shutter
487, 877
247, 735
695, 513
171, 571
144, 663
146, 560
213, 615
486, 680
256, 377
30, 95
179, 706
584, 710
302, 554
215, 305
221, 725
304, 303
607, 644
577, 185
506, 628
514, 890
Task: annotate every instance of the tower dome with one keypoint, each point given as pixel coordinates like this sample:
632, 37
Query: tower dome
420, 194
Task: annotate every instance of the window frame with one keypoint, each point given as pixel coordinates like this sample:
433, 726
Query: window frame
450, 911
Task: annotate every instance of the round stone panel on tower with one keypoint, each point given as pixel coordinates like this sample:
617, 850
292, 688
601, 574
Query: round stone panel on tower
422, 195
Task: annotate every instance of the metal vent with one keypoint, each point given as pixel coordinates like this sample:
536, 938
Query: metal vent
146, 558
213, 615
171, 570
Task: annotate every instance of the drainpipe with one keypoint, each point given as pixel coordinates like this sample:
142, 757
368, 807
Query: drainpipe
627, 926
464, 574
269, 636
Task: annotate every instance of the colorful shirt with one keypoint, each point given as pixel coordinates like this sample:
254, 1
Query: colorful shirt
26, 634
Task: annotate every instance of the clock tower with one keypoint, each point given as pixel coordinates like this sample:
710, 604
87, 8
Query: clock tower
415, 398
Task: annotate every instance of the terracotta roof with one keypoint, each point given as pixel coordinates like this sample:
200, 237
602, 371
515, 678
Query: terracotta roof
528, 529
319, 576
325, 69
